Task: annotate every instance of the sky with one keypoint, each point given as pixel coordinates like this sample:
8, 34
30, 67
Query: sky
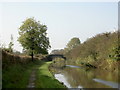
64, 20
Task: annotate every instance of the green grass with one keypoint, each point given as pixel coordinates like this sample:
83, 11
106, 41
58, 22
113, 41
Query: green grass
45, 79
16, 75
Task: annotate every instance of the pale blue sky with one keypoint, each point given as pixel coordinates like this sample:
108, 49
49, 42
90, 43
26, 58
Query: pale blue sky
64, 20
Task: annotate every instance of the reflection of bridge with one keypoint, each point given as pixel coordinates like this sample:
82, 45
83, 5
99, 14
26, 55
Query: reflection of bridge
52, 56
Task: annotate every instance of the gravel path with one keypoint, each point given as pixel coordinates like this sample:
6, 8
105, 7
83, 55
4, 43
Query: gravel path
32, 79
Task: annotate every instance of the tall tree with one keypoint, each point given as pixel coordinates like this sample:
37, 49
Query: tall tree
74, 42
11, 44
33, 37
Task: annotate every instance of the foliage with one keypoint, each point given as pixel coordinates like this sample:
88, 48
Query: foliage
11, 44
58, 63
96, 50
57, 51
10, 59
115, 55
33, 37
74, 42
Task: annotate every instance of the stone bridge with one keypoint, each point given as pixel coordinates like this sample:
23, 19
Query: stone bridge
52, 56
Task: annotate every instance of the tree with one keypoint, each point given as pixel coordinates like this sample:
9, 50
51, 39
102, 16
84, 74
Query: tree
11, 44
115, 55
57, 51
33, 37
74, 42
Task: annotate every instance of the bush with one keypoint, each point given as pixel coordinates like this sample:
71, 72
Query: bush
96, 50
8, 59
58, 62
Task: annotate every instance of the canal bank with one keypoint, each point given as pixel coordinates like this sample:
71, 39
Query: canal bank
44, 78
79, 77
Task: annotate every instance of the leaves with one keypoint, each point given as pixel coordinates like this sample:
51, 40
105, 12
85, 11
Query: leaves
74, 42
11, 44
33, 36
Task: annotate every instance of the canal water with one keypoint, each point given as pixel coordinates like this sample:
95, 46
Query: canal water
78, 77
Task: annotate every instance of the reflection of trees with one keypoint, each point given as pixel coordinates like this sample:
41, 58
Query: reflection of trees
79, 77
105, 75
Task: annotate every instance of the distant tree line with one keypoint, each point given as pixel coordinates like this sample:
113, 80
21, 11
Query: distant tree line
102, 50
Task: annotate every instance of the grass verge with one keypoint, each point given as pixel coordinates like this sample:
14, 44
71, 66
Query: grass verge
16, 75
44, 79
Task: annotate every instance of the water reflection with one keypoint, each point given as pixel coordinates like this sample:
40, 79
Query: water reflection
79, 77
61, 78
109, 83
73, 66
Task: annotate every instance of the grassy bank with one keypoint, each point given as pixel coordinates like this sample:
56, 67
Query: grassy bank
101, 51
16, 75
16, 72
45, 79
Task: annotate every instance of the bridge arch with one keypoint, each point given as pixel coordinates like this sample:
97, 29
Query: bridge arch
52, 56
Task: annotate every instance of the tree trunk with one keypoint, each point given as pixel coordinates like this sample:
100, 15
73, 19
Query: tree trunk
32, 48
32, 56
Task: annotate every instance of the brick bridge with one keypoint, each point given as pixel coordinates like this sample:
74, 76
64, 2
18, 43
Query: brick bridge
52, 56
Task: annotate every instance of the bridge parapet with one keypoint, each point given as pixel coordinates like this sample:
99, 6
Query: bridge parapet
52, 56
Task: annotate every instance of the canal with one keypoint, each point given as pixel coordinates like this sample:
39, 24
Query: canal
78, 77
